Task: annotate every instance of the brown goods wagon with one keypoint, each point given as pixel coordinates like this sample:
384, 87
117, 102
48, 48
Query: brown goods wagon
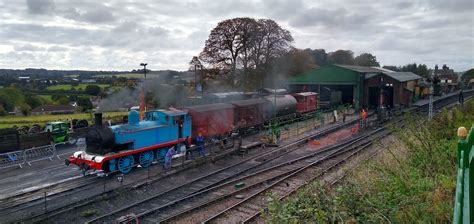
250, 113
211, 119
307, 102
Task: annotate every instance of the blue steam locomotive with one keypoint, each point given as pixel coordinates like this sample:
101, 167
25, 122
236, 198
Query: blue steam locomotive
121, 147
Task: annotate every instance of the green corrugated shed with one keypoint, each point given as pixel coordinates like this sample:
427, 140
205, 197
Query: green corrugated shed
328, 75
337, 75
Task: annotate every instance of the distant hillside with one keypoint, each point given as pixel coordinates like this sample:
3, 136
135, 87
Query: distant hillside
44, 73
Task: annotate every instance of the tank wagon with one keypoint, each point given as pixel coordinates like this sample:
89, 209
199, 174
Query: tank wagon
280, 105
121, 147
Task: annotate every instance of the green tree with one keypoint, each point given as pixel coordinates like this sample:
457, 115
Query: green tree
11, 96
33, 101
93, 90
245, 45
468, 75
320, 56
422, 70
366, 59
85, 103
25, 109
345, 57
63, 100
2, 110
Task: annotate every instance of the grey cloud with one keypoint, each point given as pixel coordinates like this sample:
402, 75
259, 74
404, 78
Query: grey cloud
29, 47
332, 19
115, 34
57, 49
96, 15
40, 6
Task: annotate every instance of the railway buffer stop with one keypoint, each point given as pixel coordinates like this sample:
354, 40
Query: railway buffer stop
362, 87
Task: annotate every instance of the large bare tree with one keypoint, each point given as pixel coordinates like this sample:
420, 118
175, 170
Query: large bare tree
246, 45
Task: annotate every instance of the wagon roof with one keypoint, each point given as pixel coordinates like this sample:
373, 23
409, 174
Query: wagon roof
210, 107
242, 103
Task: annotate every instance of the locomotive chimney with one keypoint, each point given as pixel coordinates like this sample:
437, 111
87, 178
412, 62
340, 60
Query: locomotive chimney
98, 119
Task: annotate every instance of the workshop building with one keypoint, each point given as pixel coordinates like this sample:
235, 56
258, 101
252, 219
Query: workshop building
349, 84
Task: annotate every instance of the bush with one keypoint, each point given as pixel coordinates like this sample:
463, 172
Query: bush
25, 109
93, 90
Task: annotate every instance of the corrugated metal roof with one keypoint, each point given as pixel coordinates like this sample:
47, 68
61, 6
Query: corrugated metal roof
399, 76
362, 69
403, 76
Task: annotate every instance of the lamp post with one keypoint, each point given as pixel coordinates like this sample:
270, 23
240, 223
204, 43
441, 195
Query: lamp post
380, 108
142, 94
144, 68
196, 66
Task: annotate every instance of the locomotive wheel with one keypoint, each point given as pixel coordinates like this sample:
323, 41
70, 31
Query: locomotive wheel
146, 158
160, 155
125, 164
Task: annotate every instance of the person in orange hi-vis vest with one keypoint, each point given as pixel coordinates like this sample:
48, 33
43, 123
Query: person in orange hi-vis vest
363, 115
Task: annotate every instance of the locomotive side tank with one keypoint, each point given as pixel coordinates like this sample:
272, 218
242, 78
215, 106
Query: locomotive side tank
121, 147
280, 105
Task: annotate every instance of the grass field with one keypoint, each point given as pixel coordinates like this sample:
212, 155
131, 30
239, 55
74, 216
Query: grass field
10, 121
130, 75
81, 86
48, 97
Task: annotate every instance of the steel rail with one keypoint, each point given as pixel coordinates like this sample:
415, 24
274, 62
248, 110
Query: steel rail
293, 174
280, 173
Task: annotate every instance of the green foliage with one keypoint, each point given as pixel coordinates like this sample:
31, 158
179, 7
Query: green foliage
421, 69
412, 185
85, 103
345, 57
63, 100
367, 59
92, 90
10, 97
33, 101
25, 109
2, 110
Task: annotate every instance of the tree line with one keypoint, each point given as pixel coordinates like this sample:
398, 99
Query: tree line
247, 51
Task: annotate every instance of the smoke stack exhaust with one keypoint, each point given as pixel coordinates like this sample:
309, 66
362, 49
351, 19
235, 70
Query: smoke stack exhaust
98, 119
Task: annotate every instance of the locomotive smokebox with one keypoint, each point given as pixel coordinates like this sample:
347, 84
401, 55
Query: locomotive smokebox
98, 119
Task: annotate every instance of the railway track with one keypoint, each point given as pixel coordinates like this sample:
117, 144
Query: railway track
256, 218
218, 197
210, 179
170, 203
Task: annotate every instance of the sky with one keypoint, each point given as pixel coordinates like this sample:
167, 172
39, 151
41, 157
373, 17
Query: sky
119, 35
